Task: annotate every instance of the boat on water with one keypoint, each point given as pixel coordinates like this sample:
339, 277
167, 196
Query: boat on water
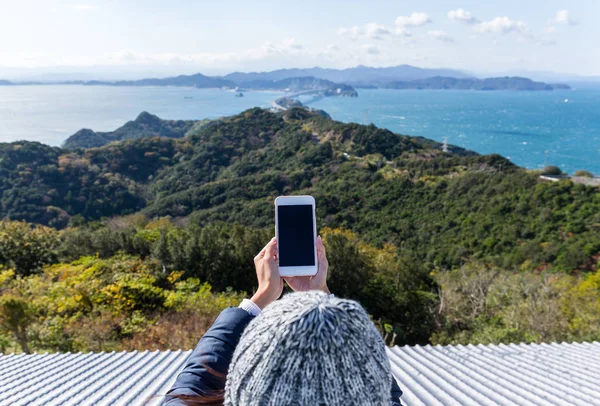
187, 97
239, 94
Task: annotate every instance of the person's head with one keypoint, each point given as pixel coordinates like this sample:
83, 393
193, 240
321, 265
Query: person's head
309, 349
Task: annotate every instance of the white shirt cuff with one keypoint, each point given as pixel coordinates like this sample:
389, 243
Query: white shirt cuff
251, 307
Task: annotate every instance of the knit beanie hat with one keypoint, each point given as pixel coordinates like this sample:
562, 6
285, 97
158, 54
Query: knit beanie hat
310, 349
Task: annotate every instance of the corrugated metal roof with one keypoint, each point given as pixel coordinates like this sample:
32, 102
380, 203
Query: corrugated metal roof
524, 374
116, 378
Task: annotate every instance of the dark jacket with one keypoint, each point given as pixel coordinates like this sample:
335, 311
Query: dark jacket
206, 369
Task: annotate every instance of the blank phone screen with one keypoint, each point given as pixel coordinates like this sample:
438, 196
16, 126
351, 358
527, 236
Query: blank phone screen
295, 243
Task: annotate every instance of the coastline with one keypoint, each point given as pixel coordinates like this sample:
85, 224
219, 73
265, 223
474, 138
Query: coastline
518, 125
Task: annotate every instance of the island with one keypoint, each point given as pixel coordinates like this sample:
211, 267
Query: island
197, 80
332, 82
144, 126
285, 103
305, 85
501, 83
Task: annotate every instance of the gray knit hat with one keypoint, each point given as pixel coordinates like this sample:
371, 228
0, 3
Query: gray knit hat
310, 349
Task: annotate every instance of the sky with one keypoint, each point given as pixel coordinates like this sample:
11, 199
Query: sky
126, 38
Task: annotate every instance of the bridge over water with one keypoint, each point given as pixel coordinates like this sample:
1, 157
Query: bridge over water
319, 94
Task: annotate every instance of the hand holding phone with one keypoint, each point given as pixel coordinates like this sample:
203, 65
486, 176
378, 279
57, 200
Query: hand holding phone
317, 282
296, 232
270, 284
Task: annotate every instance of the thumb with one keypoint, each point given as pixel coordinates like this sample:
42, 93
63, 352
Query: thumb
320, 248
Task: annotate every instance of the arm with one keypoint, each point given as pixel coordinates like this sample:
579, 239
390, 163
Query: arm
205, 370
396, 393
204, 374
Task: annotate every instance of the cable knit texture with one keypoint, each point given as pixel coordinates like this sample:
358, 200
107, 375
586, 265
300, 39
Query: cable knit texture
309, 349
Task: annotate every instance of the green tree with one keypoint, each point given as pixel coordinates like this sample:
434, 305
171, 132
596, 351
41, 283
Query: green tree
26, 247
585, 174
349, 273
16, 316
552, 171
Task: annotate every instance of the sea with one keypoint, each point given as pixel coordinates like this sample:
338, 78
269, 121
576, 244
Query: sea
533, 129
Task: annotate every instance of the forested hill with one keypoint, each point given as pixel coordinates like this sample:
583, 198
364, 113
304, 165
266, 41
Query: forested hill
404, 190
439, 247
144, 126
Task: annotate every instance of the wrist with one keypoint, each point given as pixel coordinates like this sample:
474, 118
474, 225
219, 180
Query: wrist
262, 298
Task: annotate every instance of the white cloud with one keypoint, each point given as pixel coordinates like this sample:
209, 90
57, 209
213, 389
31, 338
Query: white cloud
370, 31
402, 32
562, 17
546, 42
502, 25
291, 44
375, 31
331, 51
413, 20
85, 7
353, 33
440, 36
371, 49
268, 51
462, 16
287, 46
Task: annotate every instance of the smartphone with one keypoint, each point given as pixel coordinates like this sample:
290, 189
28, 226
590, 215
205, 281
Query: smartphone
296, 232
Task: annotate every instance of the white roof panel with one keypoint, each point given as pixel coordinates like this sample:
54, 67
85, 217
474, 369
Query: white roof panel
524, 374
116, 378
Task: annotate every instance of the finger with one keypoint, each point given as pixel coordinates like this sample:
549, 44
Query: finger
322, 257
262, 252
320, 248
271, 248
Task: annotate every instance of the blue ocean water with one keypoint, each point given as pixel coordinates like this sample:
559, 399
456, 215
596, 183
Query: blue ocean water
560, 127
530, 128
50, 113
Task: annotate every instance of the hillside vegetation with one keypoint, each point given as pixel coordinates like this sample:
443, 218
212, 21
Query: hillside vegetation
439, 247
144, 126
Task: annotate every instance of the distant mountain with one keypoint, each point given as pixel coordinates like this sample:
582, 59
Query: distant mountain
357, 76
292, 84
550, 77
448, 83
198, 80
144, 126
298, 84
295, 84
5, 83
337, 82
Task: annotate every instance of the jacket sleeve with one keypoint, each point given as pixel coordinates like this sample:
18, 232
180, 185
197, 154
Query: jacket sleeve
396, 393
212, 354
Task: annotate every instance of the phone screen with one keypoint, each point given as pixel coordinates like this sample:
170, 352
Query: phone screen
295, 242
